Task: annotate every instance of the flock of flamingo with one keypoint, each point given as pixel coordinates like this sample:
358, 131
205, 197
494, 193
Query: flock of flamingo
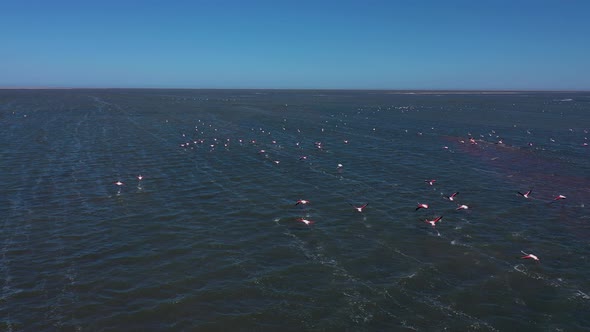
437, 219
186, 144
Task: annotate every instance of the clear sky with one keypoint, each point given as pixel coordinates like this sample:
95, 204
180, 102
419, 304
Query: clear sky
514, 44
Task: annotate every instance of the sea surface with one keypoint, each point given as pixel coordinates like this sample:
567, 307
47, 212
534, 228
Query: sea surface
211, 238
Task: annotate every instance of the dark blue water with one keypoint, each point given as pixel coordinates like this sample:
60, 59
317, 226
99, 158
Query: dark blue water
210, 238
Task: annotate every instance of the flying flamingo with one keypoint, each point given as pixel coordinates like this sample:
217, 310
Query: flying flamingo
433, 222
302, 202
119, 185
139, 178
451, 197
305, 221
421, 206
529, 256
526, 194
360, 208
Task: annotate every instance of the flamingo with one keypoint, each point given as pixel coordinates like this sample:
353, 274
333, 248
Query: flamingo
433, 222
526, 194
360, 208
306, 221
421, 206
529, 256
451, 197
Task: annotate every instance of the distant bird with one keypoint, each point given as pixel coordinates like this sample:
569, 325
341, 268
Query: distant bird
525, 195
433, 222
139, 177
430, 182
421, 206
452, 196
303, 158
529, 256
462, 207
302, 202
339, 166
558, 197
305, 221
360, 208
119, 185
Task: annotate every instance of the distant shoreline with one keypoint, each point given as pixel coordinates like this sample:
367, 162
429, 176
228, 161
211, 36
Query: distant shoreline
386, 91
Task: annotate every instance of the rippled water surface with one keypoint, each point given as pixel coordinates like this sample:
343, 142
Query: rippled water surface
211, 239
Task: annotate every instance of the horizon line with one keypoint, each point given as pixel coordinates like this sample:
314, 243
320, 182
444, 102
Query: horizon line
293, 89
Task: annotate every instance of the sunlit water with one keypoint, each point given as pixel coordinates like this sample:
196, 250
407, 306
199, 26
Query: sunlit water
210, 237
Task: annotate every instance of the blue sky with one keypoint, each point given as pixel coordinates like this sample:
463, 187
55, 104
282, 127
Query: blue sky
296, 44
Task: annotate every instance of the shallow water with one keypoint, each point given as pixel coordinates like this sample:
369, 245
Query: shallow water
209, 239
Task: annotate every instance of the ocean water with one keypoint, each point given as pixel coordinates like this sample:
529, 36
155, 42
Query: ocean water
210, 239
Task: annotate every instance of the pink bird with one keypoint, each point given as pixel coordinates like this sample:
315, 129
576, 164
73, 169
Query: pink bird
462, 207
525, 195
305, 221
430, 182
433, 222
360, 208
452, 196
558, 197
302, 202
421, 206
529, 256
139, 177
